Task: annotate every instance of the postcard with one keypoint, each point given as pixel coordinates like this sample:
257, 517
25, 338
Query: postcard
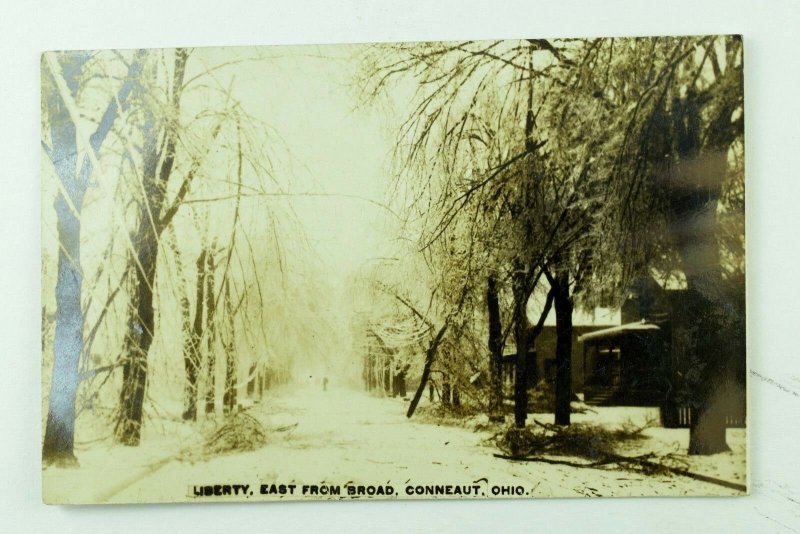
434, 270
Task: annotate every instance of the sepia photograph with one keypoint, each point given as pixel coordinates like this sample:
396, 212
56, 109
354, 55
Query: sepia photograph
489, 269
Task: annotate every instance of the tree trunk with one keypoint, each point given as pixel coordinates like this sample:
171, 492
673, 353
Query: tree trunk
495, 344
522, 341
368, 372
708, 358
446, 393
533, 372
387, 375
158, 158
142, 322
68, 345
401, 383
211, 371
140, 337
191, 360
707, 432
190, 372
375, 373
229, 399
68, 341
694, 189
563, 389
365, 372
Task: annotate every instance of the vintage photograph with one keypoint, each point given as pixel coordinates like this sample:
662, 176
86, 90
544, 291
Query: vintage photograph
431, 270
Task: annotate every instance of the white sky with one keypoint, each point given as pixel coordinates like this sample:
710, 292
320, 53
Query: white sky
306, 95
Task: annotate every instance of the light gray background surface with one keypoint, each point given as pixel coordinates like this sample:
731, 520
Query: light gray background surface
773, 158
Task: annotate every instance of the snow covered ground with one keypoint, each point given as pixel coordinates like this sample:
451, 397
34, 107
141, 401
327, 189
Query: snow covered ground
730, 466
346, 440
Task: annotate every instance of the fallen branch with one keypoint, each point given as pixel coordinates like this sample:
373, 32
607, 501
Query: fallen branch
617, 459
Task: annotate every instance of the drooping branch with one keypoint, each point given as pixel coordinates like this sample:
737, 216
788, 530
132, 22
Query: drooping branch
430, 355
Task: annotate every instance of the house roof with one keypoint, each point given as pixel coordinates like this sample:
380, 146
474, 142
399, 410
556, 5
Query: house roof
617, 331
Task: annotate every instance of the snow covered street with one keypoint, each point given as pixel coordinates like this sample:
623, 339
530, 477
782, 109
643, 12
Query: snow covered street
339, 444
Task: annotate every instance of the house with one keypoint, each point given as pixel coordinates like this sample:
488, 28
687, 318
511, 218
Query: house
643, 361
625, 364
543, 353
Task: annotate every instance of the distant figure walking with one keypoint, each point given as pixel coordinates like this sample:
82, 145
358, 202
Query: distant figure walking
324, 383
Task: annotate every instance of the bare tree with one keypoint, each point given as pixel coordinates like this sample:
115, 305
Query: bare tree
474, 121
677, 157
64, 76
